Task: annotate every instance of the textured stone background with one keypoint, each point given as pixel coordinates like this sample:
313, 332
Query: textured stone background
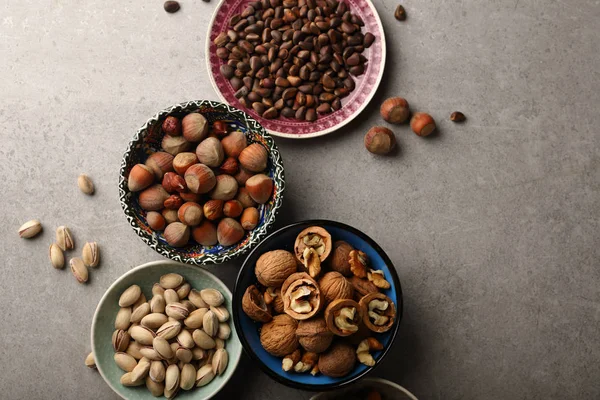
494, 225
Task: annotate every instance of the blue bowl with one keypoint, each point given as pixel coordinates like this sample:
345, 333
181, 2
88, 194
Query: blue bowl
249, 331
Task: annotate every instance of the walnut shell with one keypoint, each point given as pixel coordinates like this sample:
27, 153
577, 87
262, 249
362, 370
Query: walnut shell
339, 258
302, 238
334, 286
274, 299
278, 337
312, 298
274, 267
313, 335
389, 313
333, 310
254, 305
338, 360
362, 287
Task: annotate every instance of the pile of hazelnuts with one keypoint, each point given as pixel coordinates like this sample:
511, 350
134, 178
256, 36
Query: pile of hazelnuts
206, 184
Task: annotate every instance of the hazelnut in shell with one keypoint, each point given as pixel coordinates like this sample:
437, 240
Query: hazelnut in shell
302, 298
183, 161
225, 188
242, 176
140, 177
170, 215
340, 256
395, 110
380, 140
244, 197
234, 143
210, 152
175, 144
314, 237
278, 337
422, 124
171, 126
230, 166
233, 208
160, 162
213, 209
177, 234
254, 157
250, 218
378, 312
229, 232
194, 127
260, 188
205, 234
335, 286
274, 267
200, 179
190, 196
153, 198
343, 317
254, 305
338, 360
313, 335
155, 221
190, 214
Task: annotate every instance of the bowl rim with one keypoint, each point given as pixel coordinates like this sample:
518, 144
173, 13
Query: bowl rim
232, 363
380, 381
205, 259
326, 131
238, 294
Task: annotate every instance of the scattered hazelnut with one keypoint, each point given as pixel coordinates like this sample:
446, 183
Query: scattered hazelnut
210, 152
457, 116
274, 267
234, 143
160, 162
183, 161
278, 337
260, 188
173, 182
313, 335
340, 256
250, 218
380, 140
242, 176
244, 197
213, 209
173, 202
233, 209
229, 166
338, 360
422, 124
177, 234
170, 216
140, 177
190, 214
229, 232
175, 144
335, 286
254, 157
155, 221
400, 13
225, 188
200, 178
171, 6
171, 126
254, 305
153, 198
205, 234
395, 110
195, 127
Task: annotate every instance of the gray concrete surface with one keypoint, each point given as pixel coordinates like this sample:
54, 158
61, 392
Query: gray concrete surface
494, 225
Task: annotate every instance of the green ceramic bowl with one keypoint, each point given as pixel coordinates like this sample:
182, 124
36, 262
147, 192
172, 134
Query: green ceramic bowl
145, 276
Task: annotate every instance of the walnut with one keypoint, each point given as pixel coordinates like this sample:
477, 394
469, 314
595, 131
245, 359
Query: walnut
338, 360
302, 298
339, 258
254, 305
364, 349
273, 267
335, 286
358, 263
316, 238
343, 317
378, 279
378, 312
278, 337
362, 287
274, 299
313, 335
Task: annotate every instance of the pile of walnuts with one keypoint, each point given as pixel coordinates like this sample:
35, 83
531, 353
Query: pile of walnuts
319, 306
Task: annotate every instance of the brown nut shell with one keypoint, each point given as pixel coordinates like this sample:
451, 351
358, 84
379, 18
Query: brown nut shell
339, 258
313, 231
390, 313
254, 305
254, 157
335, 286
205, 234
153, 198
302, 285
274, 267
314, 335
362, 287
278, 337
334, 307
338, 360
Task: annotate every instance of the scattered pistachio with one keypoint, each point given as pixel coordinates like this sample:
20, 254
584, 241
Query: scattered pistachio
30, 229
57, 258
85, 184
90, 254
89, 361
64, 240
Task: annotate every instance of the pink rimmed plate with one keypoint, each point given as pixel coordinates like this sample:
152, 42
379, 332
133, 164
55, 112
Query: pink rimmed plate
352, 105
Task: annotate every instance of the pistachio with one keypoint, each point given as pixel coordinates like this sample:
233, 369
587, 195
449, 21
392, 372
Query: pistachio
189, 305
150, 353
141, 369
140, 313
221, 313
204, 375
203, 340
196, 299
224, 331
64, 240
183, 290
219, 361
141, 300
90, 255
177, 311
154, 320
171, 296
125, 361
157, 304
183, 354
188, 377
89, 361
210, 323
198, 353
123, 319
85, 184
219, 343
194, 319
130, 296
157, 289
185, 339
172, 378
169, 330
127, 381
134, 350
212, 297
171, 281
57, 258
156, 389
163, 348
79, 270
30, 229
157, 371
142, 335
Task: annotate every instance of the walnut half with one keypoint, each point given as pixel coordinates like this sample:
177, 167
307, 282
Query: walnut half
254, 305
378, 312
343, 317
302, 298
315, 238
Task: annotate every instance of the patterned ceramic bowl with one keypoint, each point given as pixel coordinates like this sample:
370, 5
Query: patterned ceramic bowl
249, 331
147, 140
366, 84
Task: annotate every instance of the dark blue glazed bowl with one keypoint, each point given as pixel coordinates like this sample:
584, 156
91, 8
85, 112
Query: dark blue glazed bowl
249, 331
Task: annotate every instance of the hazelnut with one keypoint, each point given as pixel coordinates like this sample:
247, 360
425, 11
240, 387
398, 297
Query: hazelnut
395, 110
229, 232
313, 335
335, 286
340, 256
378, 312
254, 305
219, 128
152, 198
205, 234
189, 196
225, 188
274, 267
171, 126
244, 197
140, 177
173, 202
316, 238
338, 360
177, 234
250, 218
362, 287
302, 298
242, 176
195, 127
170, 216
260, 188
175, 144
160, 162
210, 152
233, 209
234, 143
422, 124
190, 214
213, 209
457, 116
278, 337
155, 221
173, 182
254, 157
343, 317
200, 179
183, 161
229, 166
380, 140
